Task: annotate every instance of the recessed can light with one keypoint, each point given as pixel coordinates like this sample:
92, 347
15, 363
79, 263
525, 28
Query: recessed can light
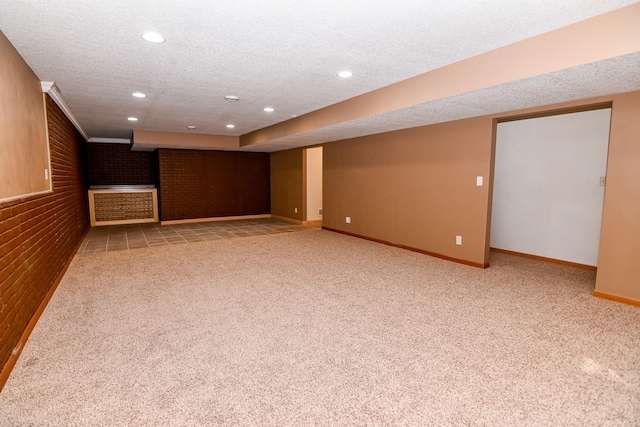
139, 95
268, 109
191, 127
231, 98
345, 74
132, 119
230, 126
153, 37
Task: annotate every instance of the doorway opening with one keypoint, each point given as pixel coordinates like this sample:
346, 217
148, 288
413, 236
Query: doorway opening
313, 184
548, 186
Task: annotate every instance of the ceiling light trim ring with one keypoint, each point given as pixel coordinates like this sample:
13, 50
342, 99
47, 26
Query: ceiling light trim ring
153, 37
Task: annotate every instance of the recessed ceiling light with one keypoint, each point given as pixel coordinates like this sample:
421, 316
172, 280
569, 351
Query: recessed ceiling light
230, 126
191, 127
132, 119
139, 95
153, 37
268, 109
231, 98
345, 74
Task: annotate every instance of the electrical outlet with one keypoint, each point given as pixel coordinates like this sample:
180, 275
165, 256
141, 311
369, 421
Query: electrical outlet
348, 220
458, 240
603, 181
46, 174
295, 210
320, 212
479, 181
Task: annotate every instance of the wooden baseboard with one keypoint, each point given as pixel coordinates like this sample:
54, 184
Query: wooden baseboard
616, 298
212, 219
409, 248
291, 220
541, 258
8, 367
123, 222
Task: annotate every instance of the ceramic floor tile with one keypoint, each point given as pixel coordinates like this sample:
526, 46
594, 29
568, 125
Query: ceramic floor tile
176, 240
138, 245
101, 239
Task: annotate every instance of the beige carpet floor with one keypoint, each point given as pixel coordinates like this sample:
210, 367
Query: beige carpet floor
317, 328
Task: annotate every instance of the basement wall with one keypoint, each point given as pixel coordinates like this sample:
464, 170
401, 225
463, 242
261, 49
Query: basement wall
618, 266
207, 183
287, 184
116, 164
39, 234
24, 155
417, 188
414, 187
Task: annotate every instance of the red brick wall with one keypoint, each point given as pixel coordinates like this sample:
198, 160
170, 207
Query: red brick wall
116, 164
38, 234
204, 184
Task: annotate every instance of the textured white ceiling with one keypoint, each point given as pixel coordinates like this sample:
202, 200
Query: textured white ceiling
571, 84
281, 53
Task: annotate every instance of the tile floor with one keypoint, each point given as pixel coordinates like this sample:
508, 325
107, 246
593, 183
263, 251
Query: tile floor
135, 236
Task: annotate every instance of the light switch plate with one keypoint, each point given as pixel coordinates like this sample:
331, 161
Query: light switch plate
479, 181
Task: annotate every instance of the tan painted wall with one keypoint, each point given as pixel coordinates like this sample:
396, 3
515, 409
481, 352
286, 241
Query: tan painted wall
287, 184
414, 187
24, 148
619, 259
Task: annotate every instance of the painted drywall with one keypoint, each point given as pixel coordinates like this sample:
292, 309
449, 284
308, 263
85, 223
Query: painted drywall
547, 198
618, 266
414, 187
287, 184
24, 148
314, 183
